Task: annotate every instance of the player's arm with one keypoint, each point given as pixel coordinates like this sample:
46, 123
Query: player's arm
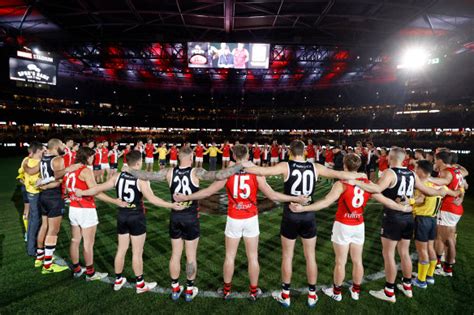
383, 183
278, 169
108, 185
464, 171
150, 196
203, 193
219, 150
276, 196
336, 191
419, 198
330, 173
389, 203
88, 177
443, 180
206, 151
428, 191
30, 170
202, 174
159, 176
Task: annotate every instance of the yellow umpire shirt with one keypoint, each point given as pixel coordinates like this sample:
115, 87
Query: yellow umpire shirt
212, 151
30, 180
431, 204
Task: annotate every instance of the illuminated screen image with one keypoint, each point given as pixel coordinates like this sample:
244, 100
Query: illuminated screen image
32, 71
228, 55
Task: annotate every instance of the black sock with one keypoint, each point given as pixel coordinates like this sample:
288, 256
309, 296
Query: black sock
406, 280
189, 283
118, 276
139, 278
174, 281
312, 287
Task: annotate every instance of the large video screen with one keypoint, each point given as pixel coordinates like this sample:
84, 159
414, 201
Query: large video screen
32, 71
228, 55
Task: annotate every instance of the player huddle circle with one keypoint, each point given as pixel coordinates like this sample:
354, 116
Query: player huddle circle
421, 199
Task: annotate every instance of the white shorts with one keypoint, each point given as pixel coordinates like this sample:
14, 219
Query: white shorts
256, 160
344, 234
175, 162
199, 159
83, 217
149, 160
225, 159
236, 228
274, 160
310, 160
446, 218
328, 165
104, 166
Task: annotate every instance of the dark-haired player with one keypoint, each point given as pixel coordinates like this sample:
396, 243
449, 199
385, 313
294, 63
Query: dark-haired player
425, 210
299, 179
131, 221
242, 218
83, 214
397, 183
348, 232
184, 227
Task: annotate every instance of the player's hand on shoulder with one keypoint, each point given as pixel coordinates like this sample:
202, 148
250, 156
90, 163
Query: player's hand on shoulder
361, 175
78, 192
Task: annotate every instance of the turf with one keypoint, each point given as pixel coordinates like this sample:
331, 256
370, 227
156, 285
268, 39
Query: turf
24, 290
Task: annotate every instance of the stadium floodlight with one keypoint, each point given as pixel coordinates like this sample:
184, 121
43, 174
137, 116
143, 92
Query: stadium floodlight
414, 59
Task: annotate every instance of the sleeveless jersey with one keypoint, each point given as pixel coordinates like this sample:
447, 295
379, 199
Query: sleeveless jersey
113, 156
383, 163
128, 190
105, 156
149, 150
448, 201
242, 189
125, 152
98, 156
351, 204
46, 170
274, 151
72, 182
329, 156
283, 154
67, 157
199, 151
301, 181
403, 188
310, 153
173, 154
265, 154
73, 157
226, 151
181, 182
256, 153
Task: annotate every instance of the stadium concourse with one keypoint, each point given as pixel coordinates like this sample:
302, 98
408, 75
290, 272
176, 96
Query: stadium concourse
236, 156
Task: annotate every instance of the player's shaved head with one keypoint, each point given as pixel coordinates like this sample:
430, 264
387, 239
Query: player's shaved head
133, 158
397, 154
240, 152
185, 152
297, 147
352, 162
54, 144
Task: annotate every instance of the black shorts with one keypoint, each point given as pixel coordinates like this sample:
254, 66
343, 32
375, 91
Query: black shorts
51, 203
425, 228
131, 222
185, 226
397, 225
162, 162
298, 225
96, 167
113, 166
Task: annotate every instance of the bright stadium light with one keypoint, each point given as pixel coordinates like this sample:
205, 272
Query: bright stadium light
413, 59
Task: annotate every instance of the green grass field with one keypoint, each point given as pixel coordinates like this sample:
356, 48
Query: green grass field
24, 289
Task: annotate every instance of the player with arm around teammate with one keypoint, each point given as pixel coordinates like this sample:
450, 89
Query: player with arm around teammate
184, 226
83, 214
348, 232
300, 178
131, 221
397, 183
242, 218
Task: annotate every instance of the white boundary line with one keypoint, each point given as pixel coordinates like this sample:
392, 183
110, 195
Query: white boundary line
239, 295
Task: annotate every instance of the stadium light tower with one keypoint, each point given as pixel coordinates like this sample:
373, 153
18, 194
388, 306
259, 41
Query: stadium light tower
413, 58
